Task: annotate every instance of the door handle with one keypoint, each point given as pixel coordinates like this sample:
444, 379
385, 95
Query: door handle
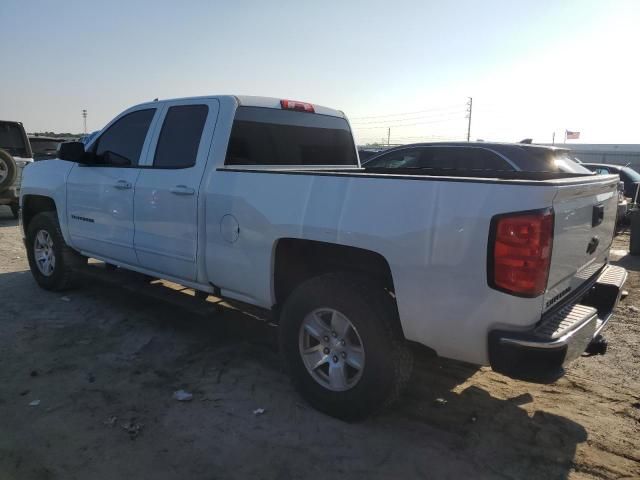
597, 215
182, 190
122, 185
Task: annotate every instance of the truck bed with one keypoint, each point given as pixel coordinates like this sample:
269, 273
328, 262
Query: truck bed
429, 173
431, 227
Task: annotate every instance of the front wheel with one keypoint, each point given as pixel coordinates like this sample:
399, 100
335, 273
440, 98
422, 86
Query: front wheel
340, 343
53, 264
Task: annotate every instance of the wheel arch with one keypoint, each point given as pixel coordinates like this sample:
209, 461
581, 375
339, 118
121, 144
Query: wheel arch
296, 260
34, 204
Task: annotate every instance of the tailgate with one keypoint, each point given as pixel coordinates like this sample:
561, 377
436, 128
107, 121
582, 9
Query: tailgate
585, 217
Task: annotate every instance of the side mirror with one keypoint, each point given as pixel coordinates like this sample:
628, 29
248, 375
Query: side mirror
71, 151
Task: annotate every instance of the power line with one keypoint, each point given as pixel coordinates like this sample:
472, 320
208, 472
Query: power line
420, 138
427, 136
443, 120
437, 115
406, 113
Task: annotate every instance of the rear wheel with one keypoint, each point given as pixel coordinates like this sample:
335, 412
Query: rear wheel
53, 264
338, 340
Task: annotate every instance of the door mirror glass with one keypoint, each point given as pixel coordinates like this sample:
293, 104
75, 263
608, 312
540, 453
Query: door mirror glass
71, 151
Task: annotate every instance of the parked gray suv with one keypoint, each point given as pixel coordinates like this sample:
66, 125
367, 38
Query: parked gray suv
15, 154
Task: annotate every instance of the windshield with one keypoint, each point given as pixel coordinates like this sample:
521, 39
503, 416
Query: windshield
12, 139
633, 175
535, 159
565, 163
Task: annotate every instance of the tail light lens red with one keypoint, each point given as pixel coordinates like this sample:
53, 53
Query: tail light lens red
520, 252
295, 105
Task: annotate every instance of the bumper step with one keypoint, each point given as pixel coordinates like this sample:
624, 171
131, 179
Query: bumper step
540, 354
567, 319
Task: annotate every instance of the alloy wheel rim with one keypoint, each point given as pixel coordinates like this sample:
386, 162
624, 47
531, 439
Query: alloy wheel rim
331, 349
43, 253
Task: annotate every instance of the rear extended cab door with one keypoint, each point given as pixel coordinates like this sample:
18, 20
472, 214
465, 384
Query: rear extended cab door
166, 203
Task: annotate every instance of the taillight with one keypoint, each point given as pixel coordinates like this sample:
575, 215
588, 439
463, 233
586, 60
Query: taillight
294, 105
520, 252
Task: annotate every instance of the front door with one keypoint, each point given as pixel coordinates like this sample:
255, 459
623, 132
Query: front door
166, 197
100, 195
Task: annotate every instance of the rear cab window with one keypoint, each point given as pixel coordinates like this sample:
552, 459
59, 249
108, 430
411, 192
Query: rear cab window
269, 136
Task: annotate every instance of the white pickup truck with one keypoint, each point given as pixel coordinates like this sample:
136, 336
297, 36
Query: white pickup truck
263, 201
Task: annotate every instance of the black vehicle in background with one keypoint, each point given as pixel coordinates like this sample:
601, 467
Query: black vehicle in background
365, 153
461, 156
501, 159
628, 176
44, 147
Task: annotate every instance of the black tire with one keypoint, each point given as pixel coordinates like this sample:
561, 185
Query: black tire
15, 209
8, 170
67, 260
388, 359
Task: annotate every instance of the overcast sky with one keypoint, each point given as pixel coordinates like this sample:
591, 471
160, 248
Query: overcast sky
531, 67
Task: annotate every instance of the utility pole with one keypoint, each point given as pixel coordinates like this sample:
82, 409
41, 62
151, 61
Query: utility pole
388, 136
553, 138
469, 110
84, 118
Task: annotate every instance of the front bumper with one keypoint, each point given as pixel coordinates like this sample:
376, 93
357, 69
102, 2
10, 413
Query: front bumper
541, 353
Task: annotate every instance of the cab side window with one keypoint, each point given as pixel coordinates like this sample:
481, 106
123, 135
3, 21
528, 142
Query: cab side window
121, 144
601, 171
460, 158
180, 136
400, 159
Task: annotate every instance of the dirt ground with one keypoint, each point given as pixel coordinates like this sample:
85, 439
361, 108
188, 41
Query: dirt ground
104, 360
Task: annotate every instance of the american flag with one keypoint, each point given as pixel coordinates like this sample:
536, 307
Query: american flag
572, 135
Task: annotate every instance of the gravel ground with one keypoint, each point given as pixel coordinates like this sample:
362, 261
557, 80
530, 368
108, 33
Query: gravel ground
103, 361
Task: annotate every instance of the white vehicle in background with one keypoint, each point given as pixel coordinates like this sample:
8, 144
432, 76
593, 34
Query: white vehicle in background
264, 201
15, 154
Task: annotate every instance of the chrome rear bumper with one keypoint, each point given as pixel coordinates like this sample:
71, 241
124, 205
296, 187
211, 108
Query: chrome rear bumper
540, 354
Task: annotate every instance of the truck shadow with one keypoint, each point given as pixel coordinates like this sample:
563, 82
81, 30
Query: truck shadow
445, 426
483, 413
6, 217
